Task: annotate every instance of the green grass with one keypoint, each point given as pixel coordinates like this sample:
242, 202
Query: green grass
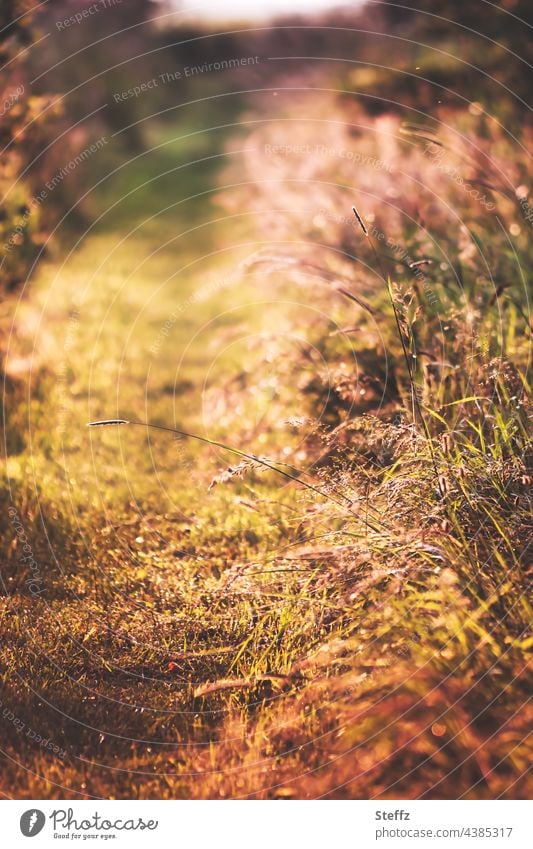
130, 531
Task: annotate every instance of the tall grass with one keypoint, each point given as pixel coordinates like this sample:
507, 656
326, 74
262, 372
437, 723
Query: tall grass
358, 623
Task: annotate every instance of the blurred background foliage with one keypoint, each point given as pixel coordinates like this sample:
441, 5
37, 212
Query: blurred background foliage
70, 99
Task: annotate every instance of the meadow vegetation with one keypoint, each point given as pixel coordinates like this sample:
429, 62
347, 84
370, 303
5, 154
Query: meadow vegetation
179, 621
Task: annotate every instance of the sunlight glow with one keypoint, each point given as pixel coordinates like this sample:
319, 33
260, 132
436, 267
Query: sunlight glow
243, 10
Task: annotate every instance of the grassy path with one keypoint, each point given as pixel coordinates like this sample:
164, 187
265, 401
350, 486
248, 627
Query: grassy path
115, 315
128, 546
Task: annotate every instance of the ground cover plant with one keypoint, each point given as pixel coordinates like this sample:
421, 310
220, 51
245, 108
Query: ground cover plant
305, 571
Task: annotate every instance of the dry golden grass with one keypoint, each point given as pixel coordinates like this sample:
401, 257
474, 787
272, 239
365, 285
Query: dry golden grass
360, 629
